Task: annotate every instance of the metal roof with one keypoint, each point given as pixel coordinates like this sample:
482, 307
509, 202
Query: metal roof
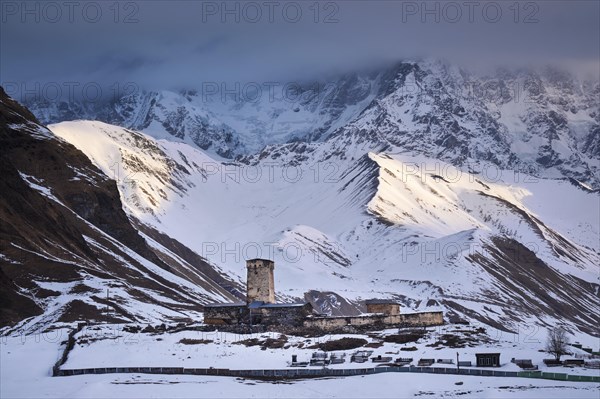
259, 304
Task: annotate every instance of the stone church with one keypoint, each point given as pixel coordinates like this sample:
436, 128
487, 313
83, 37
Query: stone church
260, 308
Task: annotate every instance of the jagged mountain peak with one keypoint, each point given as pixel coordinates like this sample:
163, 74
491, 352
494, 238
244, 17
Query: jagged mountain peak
543, 120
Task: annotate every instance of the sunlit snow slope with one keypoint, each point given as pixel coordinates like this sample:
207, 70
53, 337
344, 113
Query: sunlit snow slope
347, 219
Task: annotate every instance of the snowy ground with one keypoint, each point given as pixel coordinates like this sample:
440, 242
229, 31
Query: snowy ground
25, 369
109, 346
380, 386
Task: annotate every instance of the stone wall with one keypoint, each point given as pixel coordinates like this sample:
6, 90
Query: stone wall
224, 315
376, 321
336, 323
421, 319
281, 315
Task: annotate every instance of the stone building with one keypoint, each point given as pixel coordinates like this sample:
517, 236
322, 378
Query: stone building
261, 308
385, 306
488, 359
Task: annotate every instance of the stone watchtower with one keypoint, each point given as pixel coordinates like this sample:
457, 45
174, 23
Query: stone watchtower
260, 283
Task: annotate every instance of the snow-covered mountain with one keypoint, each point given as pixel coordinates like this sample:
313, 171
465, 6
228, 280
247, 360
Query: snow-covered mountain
542, 122
229, 119
422, 182
355, 217
68, 251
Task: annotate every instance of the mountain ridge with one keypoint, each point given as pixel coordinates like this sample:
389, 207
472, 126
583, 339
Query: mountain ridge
349, 219
65, 240
543, 122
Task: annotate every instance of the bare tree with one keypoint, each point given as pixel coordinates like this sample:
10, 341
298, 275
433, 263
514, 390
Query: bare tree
557, 342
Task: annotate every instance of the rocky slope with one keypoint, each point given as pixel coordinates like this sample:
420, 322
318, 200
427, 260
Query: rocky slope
68, 250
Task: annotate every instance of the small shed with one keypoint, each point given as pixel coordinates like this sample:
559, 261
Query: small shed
574, 362
337, 358
488, 359
552, 362
381, 359
360, 356
425, 362
319, 359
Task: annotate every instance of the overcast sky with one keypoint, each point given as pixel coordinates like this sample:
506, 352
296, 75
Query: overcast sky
182, 44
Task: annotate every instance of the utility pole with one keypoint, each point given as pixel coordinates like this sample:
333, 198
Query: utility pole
457, 364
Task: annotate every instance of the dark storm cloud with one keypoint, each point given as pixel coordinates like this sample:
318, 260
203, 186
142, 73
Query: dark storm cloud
182, 44
211, 45
122, 63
